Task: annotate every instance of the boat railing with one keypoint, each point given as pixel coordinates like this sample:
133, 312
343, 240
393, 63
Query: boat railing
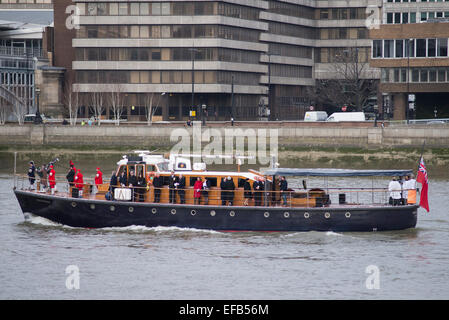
215, 196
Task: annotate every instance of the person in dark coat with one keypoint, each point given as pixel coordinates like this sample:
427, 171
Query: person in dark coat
71, 174
141, 184
258, 187
113, 183
132, 183
230, 187
247, 191
32, 174
172, 183
223, 193
180, 188
268, 192
205, 190
158, 183
123, 180
283, 187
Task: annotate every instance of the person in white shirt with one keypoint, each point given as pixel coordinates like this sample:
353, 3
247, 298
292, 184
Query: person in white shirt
395, 190
410, 189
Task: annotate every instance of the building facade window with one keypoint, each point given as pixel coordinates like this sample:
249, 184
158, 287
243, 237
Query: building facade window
419, 48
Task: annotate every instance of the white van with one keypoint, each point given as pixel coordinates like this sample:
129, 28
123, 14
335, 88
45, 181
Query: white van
346, 116
315, 116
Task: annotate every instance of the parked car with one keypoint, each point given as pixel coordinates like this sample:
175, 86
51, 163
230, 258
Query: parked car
346, 116
30, 118
315, 116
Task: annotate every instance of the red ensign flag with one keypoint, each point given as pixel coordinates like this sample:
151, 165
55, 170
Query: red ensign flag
422, 178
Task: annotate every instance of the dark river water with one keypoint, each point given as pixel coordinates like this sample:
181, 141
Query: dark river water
40, 259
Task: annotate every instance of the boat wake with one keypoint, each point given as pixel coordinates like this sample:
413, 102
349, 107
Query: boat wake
37, 220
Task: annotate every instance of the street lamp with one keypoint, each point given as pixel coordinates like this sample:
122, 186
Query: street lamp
38, 118
203, 114
407, 107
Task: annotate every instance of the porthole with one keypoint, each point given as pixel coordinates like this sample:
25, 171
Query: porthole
348, 215
266, 214
327, 215
306, 215
212, 213
286, 215
153, 210
232, 213
112, 208
131, 209
92, 206
74, 204
193, 212
173, 211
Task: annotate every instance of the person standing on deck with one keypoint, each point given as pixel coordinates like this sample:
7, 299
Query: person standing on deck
197, 190
395, 189
247, 191
71, 174
223, 192
180, 188
79, 182
173, 180
141, 187
52, 179
133, 184
205, 191
123, 180
410, 189
32, 174
230, 187
113, 183
98, 178
283, 187
258, 187
158, 183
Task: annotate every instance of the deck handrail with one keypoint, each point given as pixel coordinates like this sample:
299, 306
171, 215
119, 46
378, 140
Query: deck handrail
273, 197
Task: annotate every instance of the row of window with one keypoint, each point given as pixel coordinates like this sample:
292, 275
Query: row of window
418, 48
410, 17
341, 14
26, 1
330, 55
343, 33
292, 30
167, 32
177, 77
168, 8
166, 54
416, 75
417, 0
289, 9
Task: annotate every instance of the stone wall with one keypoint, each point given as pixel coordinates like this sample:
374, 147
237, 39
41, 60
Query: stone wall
159, 135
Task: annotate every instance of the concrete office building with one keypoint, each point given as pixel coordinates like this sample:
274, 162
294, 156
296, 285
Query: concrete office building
250, 59
411, 49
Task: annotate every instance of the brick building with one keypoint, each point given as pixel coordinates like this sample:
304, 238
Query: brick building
411, 49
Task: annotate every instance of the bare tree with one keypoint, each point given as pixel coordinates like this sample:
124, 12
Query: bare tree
4, 110
19, 109
350, 82
71, 101
117, 101
150, 108
97, 101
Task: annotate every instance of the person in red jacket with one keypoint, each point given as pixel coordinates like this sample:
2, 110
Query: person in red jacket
79, 182
98, 178
52, 179
197, 190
